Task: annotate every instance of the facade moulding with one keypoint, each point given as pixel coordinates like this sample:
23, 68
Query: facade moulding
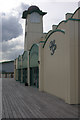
57, 30
75, 12
67, 21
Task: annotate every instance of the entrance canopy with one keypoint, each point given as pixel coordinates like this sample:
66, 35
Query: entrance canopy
34, 55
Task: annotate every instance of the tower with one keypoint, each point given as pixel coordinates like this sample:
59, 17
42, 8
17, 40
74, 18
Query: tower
33, 26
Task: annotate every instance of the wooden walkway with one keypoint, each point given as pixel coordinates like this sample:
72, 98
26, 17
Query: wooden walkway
0, 98
20, 101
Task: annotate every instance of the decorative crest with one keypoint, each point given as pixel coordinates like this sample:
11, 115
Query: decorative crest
52, 46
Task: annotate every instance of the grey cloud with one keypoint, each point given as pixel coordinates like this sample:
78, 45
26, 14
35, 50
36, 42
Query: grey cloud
3, 14
9, 46
0, 31
11, 28
11, 55
79, 4
24, 6
12, 49
21, 8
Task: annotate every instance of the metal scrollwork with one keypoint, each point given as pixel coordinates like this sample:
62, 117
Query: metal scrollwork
52, 46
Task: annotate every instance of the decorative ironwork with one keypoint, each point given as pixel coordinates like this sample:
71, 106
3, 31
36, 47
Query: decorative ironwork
52, 46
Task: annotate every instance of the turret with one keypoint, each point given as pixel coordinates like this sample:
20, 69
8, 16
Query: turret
33, 26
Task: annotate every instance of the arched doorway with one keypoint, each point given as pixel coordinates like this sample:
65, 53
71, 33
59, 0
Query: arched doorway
19, 68
34, 68
24, 66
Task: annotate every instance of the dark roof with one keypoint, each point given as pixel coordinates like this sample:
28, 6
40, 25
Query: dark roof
7, 61
32, 9
7, 66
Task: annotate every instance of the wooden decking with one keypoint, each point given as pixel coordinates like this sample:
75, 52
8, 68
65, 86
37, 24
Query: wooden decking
20, 101
0, 98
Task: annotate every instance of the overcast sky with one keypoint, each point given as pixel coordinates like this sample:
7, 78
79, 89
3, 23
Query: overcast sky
12, 25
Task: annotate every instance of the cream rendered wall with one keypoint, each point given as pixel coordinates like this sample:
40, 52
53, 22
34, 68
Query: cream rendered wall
76, 15
72, 67
66, 26
74, 59
77, 51
79, 62
61, 70
34, 32
41, 67
54, 66
16, 63
25, 37
61, 26
68, 15
54, 27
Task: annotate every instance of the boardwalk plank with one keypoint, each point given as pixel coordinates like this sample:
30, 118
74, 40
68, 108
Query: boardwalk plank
20, 101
